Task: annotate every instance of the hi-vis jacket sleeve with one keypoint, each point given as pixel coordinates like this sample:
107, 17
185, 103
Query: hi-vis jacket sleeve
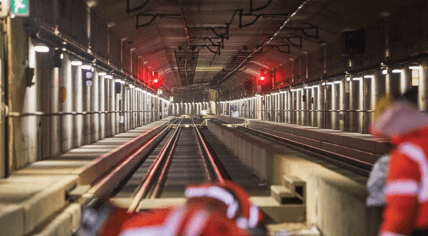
402, 189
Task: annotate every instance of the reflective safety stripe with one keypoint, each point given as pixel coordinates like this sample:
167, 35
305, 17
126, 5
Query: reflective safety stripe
254, 216
216, 193
390, 234
417, 155
169, 227
402, 187
196, 224
242, 223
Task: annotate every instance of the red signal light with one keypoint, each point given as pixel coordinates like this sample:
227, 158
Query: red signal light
262, 78
156, 80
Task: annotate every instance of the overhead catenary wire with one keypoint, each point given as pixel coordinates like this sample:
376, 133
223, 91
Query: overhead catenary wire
188, 40
264, 44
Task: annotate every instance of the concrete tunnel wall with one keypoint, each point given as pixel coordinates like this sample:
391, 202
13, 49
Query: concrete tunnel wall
44, 132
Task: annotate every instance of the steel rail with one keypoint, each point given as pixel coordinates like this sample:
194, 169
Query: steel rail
162, 175
206, 167
210, 156
357, 166
101, 183
151, 173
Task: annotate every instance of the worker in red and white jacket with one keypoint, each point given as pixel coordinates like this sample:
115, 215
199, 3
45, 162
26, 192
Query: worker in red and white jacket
103, 219
231, 200
406, 191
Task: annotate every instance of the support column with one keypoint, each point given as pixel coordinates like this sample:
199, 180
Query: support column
361, 99
103, 85
308, 107
405, 79
289, 106
423, 86
314, 106
321, 105
334, 105
65, 82
353, 105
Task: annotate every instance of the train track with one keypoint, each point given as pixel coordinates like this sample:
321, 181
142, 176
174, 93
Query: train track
183, 157
354, 165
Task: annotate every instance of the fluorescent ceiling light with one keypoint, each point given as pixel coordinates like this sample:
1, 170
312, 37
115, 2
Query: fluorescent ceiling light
396, 71
118, 80
131, 86
337, 82
86, 67
42, 49
384, 72
414, 67
368, 76
348, 78
102, 73
76, 63
356, 79
108, 77
329, 83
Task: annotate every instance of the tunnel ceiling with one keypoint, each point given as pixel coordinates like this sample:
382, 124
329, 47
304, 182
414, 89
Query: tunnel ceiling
159, 43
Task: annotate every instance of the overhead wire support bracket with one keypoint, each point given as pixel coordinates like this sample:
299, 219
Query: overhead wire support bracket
259, 8
279, 48
290, 39
153, 17
305, 30
225, 35
128, 6
256, 17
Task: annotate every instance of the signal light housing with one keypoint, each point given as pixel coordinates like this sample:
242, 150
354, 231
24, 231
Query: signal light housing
264, 80
156, 81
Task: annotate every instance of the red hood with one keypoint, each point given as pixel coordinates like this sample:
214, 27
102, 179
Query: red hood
398, 121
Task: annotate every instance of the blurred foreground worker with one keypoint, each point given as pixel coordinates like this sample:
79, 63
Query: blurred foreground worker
406, 191
222, 208
102, 219
376, 199
231, 200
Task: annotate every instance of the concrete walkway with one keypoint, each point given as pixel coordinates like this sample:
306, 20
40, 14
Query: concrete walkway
32, 195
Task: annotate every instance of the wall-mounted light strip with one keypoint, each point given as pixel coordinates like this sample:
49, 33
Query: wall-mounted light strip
86, 67
76, 63
41, 49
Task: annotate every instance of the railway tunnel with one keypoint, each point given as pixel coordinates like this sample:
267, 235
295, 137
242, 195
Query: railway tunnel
133, 100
